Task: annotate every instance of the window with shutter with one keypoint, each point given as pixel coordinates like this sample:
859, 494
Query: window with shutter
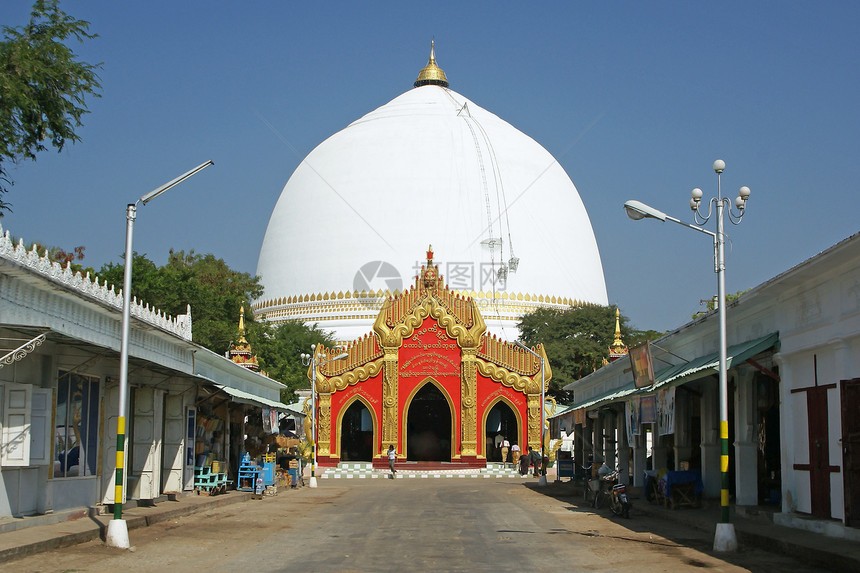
15, 441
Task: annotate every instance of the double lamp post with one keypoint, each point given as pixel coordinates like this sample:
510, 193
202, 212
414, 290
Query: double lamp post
725, 539
315, 360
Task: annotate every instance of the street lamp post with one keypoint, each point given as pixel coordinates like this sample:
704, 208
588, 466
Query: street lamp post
117, 533
724, 539
312, 360
542, 478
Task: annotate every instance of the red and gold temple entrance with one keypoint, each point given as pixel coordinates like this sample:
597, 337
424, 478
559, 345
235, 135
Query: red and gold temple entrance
429, 381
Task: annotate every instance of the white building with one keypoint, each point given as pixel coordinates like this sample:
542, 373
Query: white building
59, 371
348, 231
794, 383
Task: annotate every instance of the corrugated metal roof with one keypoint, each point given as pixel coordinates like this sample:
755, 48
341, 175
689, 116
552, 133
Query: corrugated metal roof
687, 372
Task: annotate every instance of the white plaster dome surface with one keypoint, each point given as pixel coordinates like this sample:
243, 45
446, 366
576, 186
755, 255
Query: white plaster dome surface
429, 167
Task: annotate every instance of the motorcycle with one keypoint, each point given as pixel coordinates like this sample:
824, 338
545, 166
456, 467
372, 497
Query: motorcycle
619, 501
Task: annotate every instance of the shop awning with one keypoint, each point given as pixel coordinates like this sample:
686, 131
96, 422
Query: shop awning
710, 363
246, 398
610, 396
706, 365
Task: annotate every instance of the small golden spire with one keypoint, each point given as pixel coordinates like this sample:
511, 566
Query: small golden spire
242, 326
618, 349
617, 341
431, 74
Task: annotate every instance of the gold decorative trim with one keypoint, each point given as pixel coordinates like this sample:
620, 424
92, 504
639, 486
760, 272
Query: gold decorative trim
468, 403
350, 378
518, 382
324, 426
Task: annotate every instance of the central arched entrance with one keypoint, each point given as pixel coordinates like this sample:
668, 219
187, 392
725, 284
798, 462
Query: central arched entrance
356, 434
501, 422
428, 426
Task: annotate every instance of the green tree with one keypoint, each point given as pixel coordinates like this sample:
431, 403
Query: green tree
279, 349
42, 86
214, 291
576, 340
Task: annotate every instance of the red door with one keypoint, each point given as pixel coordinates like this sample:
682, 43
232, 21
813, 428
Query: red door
850, 398
819, 451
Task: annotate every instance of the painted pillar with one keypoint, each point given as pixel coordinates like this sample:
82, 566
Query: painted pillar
710, 438
623, 448
389, 400
609, 420
683, 447
660, 456
640, 459
597, 440
746, 438
469, 404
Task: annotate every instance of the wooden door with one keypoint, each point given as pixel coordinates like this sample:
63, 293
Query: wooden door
173, 439
819, 451
850, 398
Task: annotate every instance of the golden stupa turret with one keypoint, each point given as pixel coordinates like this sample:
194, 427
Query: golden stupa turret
240, 351
431, 74
618, 348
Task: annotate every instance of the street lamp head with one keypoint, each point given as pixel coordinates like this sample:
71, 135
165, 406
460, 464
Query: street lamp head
744, 192
156, 192
695, 198
637, 210
719, 166
740, 203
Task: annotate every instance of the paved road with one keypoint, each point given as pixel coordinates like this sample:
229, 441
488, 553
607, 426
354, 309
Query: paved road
408, 525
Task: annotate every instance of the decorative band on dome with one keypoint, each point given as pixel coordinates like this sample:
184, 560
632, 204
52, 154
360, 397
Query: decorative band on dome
431, 74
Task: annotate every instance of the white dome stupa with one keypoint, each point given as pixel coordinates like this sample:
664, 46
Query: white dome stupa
353, 222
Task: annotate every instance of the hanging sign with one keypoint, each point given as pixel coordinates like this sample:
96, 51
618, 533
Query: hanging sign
666, 411
643, 367
631, 410
648, 409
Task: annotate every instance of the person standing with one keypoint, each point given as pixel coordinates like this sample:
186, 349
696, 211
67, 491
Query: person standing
505, 445
515, 454
392, 457
535, 460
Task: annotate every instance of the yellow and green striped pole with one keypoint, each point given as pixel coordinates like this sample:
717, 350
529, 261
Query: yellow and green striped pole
120, 464
131, 215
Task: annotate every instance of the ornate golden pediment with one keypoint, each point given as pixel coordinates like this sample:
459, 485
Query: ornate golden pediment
392, 329
350, 378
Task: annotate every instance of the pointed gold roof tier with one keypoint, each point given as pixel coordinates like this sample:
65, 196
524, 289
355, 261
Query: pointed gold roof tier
431, 74
618, 348
240, 351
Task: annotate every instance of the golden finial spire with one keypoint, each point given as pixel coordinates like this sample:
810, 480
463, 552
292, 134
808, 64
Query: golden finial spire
618, 349
242, 326
431, 74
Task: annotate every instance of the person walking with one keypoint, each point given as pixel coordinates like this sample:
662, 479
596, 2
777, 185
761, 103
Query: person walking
515, 454
505, 445
392, 457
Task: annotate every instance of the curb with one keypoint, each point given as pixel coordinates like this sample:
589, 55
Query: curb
98, 526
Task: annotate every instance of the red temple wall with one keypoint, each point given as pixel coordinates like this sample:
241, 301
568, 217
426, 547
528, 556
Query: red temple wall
429, 353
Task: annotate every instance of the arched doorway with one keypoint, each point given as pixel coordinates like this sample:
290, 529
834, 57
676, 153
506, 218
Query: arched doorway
501, 421
428, 426
356, 434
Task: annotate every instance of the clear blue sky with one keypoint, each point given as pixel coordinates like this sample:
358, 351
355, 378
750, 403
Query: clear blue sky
635, 100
